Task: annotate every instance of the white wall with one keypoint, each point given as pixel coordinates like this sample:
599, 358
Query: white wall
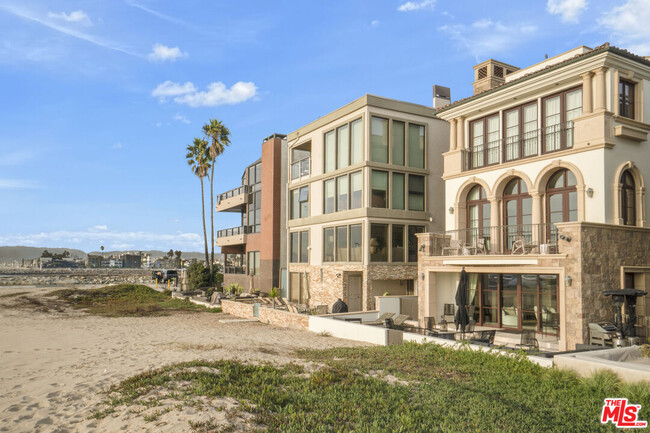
355, 331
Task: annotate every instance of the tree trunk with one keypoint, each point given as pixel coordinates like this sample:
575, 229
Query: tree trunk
205, 232
212, 222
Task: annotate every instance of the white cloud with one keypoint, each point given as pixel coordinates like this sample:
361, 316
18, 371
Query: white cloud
216, 93
163, 53
169, 89
375, 23
485, 37
117, 146
79, 17
112, 238
417, 6
181, 118
17, 184
16, 158
628, 24
101, 227
569, 10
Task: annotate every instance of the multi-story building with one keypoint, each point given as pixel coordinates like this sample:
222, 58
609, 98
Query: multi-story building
545, 195
364, 179
253, 251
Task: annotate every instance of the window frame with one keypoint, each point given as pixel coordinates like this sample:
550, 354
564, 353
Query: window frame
627, 108
299, 235
565, 192
563, 121
349, 134
485, 151
520, 132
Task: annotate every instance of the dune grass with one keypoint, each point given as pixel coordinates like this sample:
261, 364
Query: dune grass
406, 388
126, 300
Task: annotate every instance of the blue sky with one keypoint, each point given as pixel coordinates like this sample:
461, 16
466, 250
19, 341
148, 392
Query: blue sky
100, 98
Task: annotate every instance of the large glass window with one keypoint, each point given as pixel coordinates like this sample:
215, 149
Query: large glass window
413, 242
485, 142
378, 242
328, 245
397, 152
416, 146
356, 141
299, 203
343, 146
330, 151
561, 197
379, 181
398, 191
356, 190
342, 193
253, 263
299, 242
626, 99
518, 213
379, 139
478, 216
330, 196
342, 244
558, 115
356, 239
416, 192
520, 131
628, 198
398, 243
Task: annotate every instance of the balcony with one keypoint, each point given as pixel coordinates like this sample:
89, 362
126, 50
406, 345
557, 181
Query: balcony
531, 143
301, 168
232, 236
497, 240
233, 200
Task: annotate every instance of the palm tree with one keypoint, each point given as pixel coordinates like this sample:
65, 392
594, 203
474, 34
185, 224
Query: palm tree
198, 159
219, 136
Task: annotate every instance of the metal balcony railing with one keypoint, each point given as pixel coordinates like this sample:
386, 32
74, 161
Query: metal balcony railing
232, 193
300, 168
508, 239
234, 269
233, 231
531, 143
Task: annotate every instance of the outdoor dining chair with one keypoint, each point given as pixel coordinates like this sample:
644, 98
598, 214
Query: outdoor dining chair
528, 340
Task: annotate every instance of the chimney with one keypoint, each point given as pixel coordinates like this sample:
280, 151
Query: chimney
441, 96
490, 74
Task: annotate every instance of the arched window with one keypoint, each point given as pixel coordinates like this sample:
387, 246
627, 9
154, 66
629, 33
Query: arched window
628, 198
561, 197
517, 211
478, 214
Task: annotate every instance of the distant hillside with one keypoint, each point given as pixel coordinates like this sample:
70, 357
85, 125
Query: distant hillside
9, 254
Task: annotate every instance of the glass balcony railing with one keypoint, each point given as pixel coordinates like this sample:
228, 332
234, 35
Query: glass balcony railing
300, 168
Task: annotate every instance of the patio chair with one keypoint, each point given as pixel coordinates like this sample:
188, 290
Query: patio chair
400, 319
520, 245
455, 246
469, 330
379, 320
601, 334
528, 340
484, 337
478, 247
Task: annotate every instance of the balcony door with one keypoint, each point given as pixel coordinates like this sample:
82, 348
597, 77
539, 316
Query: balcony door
517, 212
478, 216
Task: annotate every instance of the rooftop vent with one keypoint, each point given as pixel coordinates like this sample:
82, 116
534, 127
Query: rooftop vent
441, 96
490, 74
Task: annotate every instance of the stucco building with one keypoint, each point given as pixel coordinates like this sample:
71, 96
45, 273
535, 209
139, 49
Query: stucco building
364, 180
253, 251
545, 196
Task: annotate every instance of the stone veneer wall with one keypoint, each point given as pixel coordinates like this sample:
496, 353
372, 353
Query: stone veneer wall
282, 318
597, 254
334, 283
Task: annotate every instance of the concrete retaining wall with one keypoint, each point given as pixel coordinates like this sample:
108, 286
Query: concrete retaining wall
355, 331
282, 318
50, 277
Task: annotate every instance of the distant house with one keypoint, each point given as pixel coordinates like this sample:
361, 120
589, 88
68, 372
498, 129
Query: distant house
93, 261
131, 260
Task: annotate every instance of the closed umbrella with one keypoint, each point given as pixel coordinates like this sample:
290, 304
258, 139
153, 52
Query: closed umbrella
461, 317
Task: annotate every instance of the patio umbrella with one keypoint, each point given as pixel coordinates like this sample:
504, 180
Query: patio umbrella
461, 299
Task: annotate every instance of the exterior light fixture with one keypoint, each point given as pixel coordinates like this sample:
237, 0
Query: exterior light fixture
590, 192
422, 276
565, 238
451, 210
568, 280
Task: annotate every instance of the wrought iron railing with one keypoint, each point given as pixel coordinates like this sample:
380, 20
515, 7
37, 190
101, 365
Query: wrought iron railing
232, 193
508, 239
552, 138
300, 168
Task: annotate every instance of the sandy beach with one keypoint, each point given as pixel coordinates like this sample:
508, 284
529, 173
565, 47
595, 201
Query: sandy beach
56, 362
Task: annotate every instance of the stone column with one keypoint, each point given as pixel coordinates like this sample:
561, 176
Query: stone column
495, 223
587, 106
460, 133
601, 90
452, 134
538, 219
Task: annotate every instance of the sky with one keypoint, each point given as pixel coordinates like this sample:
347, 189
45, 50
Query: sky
99, 98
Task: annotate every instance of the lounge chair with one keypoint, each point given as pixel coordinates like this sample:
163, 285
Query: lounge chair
601, 334
379, 320
484, 337
478, 247
400, 319
455, 246
528, 340
520, 245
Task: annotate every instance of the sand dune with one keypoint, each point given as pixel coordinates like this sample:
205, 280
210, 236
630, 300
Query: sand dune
55, 364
